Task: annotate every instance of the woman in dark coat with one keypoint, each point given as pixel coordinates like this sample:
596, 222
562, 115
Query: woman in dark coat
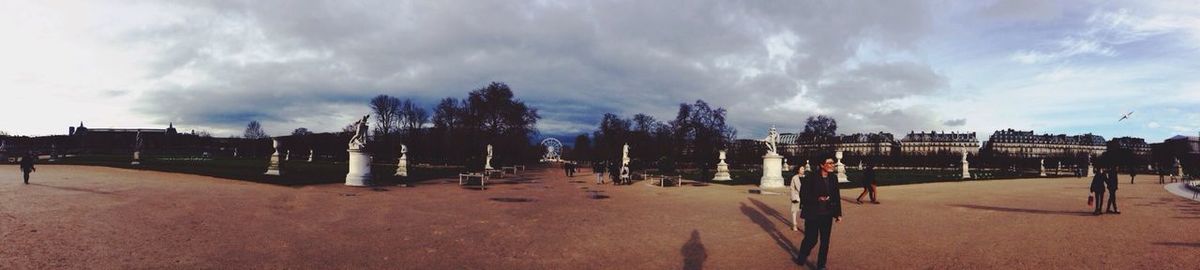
1097, 188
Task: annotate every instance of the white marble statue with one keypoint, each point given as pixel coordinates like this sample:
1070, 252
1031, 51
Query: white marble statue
402, 162
771, 140
488, 163
722, 155
625, 155
359, 141
137, 143
274, 168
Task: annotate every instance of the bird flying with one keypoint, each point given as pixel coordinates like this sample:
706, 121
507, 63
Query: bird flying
1125, 116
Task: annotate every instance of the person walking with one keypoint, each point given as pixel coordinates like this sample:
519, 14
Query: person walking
1111, 206
1097, 188
27, 165
868, 184
598, 168
820, 206
795, 188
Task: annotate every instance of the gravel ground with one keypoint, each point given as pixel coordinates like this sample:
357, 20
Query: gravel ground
106, 218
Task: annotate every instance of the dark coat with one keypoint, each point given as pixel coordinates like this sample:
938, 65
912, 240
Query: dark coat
814, 187
1098, 182
1111, 181
27, 163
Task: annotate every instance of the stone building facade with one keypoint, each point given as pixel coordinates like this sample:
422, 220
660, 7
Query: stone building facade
1026, 144
938, 143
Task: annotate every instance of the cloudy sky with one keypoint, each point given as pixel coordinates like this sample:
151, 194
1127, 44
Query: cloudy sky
895, 66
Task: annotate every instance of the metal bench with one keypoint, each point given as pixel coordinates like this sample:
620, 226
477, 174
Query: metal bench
463, 177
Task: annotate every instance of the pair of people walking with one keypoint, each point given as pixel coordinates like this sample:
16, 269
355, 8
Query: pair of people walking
817, 199
1105, 180
869, 185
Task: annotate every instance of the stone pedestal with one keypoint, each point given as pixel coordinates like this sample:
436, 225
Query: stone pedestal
772, 171
137, 158
273, 168
841, 169
1090, 171
722, 172
1178, 170
1042, 167
966, 166
402, 166
966, 170
360, 168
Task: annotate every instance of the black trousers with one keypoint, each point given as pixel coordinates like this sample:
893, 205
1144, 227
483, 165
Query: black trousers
1112, 200
814, 227
1099, 200
26, 176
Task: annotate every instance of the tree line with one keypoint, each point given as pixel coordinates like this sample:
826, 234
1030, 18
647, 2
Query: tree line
456, 132
692, 139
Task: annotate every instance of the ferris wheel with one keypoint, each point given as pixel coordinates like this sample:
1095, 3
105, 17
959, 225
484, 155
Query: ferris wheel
553, 149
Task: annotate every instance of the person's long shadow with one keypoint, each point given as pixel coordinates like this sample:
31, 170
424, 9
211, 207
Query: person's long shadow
1178, 244
1022, 210
73, 189
694, 253
767, 226
770, 211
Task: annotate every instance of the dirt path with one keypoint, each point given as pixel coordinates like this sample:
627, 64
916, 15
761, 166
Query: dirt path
95, 217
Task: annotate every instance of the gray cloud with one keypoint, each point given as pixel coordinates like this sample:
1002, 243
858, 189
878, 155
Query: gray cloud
309, 63
955, 122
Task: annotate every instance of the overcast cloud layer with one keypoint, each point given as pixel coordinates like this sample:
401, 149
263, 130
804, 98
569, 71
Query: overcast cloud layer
892, 66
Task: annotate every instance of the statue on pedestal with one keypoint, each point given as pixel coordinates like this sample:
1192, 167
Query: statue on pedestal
966, 168
359, 173
137, 149
722, 168
772, 162
402, 164
488, 164
273, 168
1042, 167
359, 141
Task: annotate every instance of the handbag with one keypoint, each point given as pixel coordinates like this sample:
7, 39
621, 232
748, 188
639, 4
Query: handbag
1091, 199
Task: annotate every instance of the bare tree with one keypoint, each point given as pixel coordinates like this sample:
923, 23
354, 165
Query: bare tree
254, 131
413, 115
387, 113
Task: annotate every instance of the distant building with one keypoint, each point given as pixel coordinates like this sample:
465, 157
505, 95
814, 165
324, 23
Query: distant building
938, 143
1138, 146
868, 144
1025, 144
118, 139
858, 144
1186, 149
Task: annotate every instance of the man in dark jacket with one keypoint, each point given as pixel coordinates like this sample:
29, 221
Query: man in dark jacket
27, 165
1097, 188
1111, 181
820, 201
